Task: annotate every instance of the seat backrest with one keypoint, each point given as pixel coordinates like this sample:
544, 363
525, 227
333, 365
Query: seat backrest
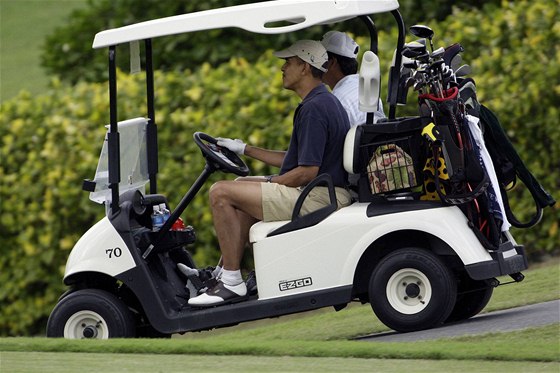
351, 151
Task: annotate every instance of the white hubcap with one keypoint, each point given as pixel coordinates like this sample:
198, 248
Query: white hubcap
86, 324
409, 291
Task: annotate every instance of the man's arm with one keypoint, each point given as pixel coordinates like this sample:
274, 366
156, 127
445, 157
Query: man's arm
270, 157
299, 176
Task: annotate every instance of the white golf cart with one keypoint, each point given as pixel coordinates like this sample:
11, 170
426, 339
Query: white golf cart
417, 262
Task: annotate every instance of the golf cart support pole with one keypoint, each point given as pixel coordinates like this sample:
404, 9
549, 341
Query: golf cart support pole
113, 135
151, 140
395, 70
372, 33
374, 48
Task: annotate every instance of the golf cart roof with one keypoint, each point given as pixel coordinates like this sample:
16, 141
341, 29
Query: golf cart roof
263, 18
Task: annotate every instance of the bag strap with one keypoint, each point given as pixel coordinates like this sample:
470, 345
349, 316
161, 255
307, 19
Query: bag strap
459, 198
495, 133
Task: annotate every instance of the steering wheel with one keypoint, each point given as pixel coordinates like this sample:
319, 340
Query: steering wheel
219, 157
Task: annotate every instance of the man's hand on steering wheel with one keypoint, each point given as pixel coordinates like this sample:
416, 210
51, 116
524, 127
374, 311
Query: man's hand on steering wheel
237, 146
221, 157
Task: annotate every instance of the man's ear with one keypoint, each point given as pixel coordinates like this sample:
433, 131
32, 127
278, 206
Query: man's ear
306, 69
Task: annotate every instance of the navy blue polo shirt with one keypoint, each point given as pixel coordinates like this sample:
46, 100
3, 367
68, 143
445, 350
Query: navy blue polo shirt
320, 127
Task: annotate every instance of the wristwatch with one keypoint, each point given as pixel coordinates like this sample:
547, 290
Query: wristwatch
269, 178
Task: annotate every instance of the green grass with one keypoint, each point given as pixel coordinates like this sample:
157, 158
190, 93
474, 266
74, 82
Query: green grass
23, 27
523, 351
311, 342
14, 362
535, 344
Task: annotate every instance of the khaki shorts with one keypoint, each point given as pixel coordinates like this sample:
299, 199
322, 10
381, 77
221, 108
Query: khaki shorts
278, 200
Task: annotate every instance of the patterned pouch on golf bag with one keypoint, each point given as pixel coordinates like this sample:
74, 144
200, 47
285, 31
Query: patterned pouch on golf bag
390, 168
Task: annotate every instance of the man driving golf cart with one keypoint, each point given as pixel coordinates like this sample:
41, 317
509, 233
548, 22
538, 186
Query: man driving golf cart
319, 129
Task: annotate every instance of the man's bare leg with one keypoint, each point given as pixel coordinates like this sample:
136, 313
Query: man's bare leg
236, 206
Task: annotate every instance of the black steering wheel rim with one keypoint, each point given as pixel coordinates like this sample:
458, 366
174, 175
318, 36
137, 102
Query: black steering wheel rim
215, 155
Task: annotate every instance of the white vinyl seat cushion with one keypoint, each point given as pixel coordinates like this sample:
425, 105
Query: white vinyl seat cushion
261, 229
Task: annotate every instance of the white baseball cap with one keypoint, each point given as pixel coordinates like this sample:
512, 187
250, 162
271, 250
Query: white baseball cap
310, 51
339, 43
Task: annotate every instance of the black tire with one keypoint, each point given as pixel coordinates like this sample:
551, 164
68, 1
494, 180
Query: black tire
91, 313
472, 297
412, 289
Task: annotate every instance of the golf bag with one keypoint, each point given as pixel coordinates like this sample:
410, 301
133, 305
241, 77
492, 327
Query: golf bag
457, 166
471, 162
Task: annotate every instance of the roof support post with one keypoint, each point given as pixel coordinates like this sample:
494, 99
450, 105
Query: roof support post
113, 135
396, 69
151, 136
374, 48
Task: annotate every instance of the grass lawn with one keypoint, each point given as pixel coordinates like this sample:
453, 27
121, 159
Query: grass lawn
50, 362
23, 27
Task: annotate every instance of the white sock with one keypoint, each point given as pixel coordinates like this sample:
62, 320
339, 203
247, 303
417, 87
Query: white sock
231, 278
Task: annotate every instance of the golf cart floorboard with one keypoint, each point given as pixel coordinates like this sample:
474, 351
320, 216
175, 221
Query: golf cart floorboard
198, 319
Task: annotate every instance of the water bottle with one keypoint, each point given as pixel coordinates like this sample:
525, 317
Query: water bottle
157, 218
164, 211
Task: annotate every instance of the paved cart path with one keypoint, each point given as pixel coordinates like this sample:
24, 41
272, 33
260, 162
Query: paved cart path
533, 315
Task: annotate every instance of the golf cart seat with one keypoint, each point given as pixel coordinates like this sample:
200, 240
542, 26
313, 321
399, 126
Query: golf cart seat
262, 230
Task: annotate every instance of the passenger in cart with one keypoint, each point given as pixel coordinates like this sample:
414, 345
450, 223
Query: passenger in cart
342, 75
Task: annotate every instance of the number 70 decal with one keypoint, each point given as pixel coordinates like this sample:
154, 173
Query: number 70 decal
116, 252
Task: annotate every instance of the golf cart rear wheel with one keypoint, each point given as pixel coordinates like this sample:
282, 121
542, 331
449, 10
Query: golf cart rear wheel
472, 298
412, 289
91, 314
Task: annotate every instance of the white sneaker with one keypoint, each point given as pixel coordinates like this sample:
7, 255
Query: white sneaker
220, 294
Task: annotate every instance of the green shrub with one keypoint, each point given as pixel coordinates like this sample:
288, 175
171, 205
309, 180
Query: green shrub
48, 145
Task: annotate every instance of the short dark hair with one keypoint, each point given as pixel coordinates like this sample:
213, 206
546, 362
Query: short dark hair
317, 74
348, 65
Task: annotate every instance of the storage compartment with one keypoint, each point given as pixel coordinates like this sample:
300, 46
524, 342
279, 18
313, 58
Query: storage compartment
172, 239
391, 156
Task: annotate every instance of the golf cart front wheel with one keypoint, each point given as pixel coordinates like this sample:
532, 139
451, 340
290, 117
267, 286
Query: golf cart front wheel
412, 289
91, 314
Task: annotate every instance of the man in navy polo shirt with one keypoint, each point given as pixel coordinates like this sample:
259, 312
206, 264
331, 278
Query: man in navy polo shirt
316, 147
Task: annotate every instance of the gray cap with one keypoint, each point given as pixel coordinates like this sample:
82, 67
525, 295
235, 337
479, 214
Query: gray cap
310, 51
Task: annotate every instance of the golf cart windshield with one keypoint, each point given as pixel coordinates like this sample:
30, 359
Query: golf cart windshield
133, 165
